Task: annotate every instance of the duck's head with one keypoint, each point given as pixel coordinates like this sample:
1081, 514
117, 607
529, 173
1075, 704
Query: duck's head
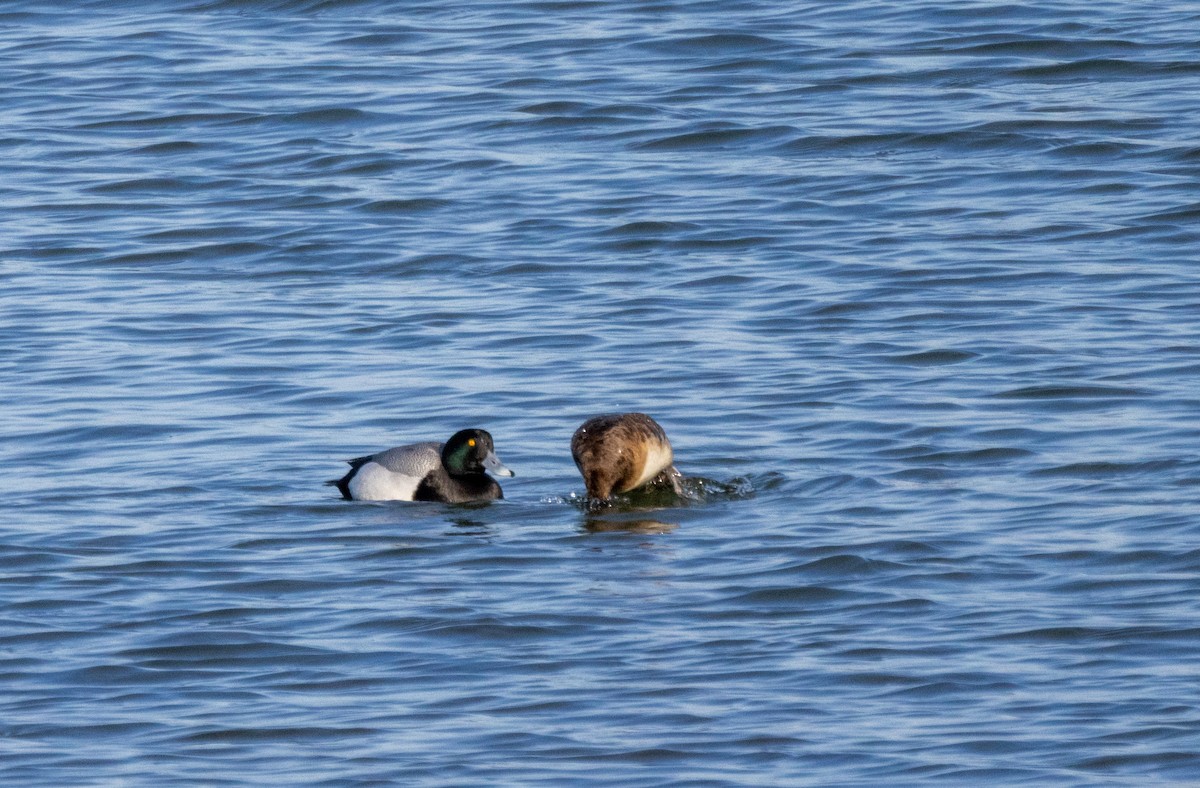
472, 451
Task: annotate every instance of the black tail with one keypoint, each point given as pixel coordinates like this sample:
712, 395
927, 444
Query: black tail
343, 485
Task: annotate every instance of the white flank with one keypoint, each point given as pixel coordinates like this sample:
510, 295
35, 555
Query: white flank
373, 482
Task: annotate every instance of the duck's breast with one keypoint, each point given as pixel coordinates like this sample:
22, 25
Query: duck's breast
656, 457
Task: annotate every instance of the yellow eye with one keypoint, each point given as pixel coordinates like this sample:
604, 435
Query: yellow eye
471, 443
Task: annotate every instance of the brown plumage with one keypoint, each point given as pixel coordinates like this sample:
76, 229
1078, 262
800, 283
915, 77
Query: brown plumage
619, 452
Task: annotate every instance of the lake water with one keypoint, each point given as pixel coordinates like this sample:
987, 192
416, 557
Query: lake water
913, 288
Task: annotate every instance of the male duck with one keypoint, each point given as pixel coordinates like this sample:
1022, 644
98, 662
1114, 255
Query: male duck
619, 452
452, 472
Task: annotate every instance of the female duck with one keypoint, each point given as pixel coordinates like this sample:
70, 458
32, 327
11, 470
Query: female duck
452, 472
619, 452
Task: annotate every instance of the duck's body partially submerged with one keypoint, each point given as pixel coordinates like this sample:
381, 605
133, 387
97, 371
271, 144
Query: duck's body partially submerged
453, 472
619, 452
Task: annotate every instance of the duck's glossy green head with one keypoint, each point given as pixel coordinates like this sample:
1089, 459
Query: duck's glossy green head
472, 451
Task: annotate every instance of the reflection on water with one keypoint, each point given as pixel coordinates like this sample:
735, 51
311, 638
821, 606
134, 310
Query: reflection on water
628, 511
629, 524
470, 526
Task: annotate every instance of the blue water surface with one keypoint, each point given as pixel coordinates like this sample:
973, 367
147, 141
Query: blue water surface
914, 289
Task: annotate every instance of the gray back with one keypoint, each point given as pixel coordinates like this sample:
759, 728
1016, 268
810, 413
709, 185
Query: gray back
416, 459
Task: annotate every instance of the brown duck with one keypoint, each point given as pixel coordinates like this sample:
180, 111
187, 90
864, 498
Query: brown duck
619, 452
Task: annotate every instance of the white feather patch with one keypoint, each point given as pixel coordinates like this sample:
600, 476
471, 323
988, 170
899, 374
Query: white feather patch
373, 482
658, 457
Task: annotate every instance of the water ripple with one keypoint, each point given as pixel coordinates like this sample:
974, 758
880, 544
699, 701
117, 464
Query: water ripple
911, 287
